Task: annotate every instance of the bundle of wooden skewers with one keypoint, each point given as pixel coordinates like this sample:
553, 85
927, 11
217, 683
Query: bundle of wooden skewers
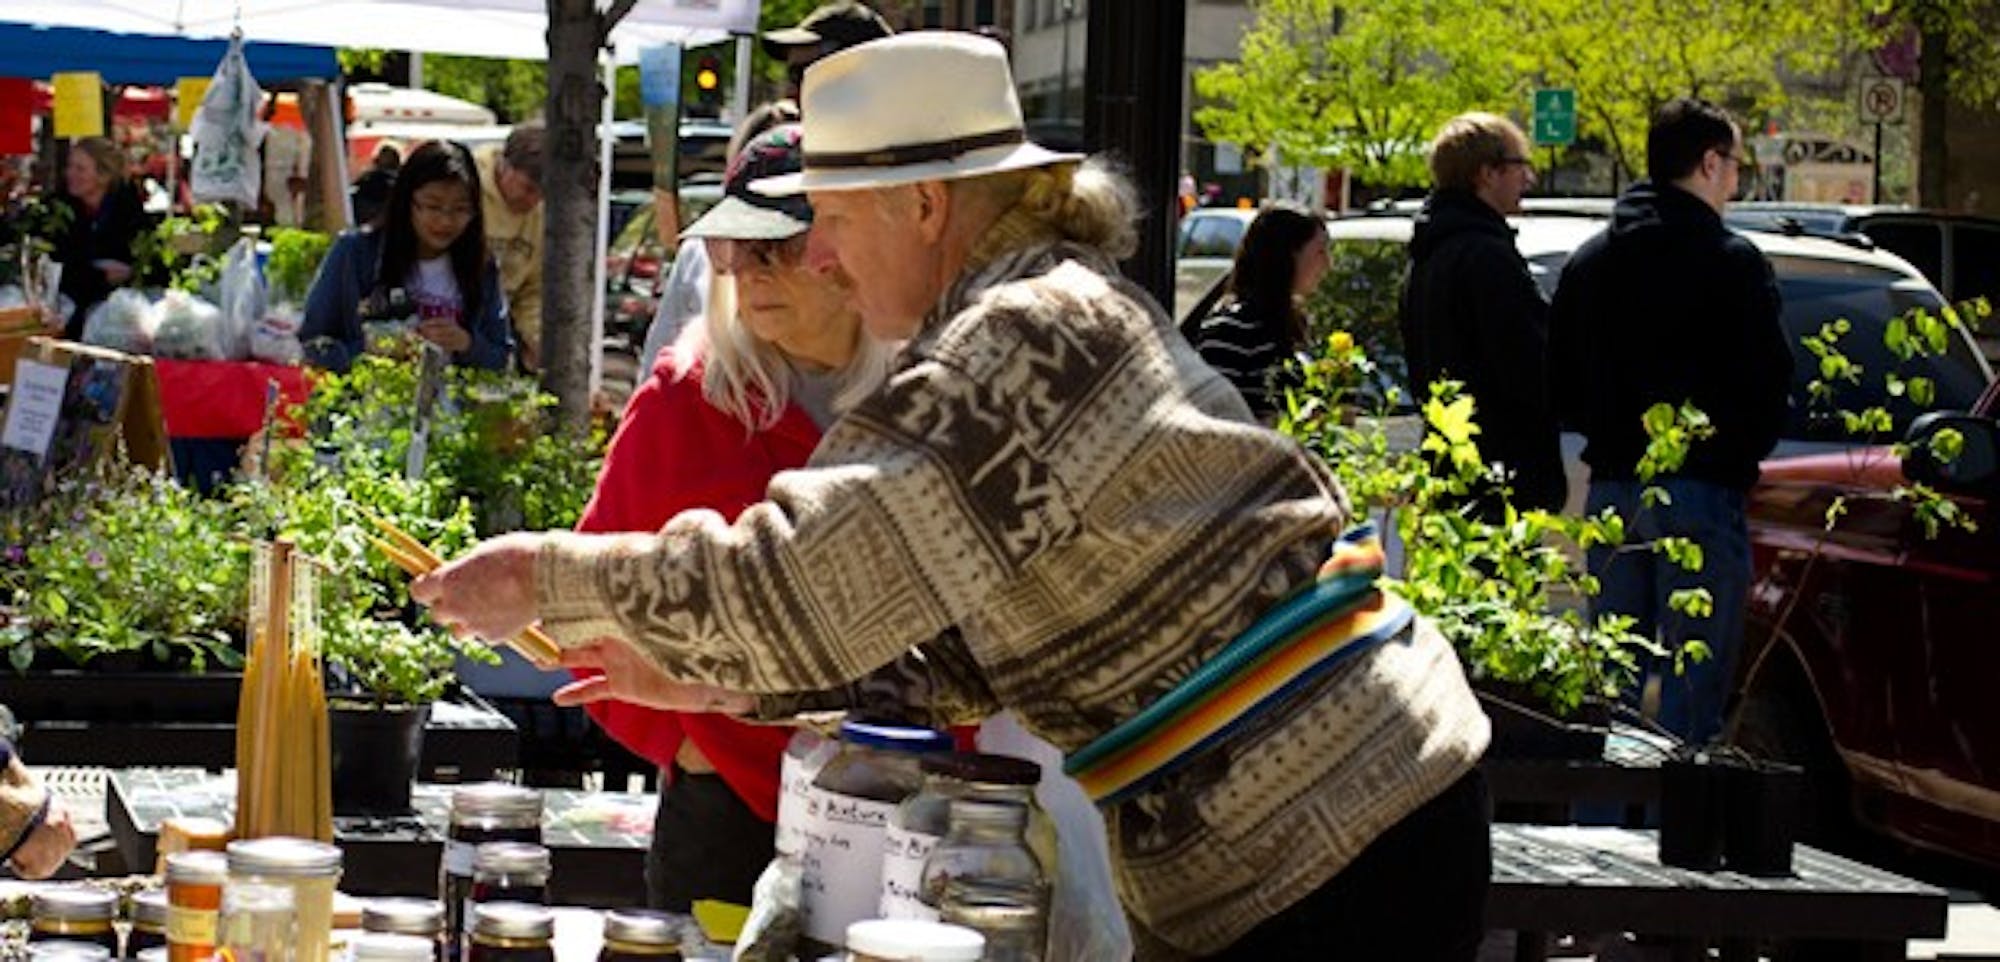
284, 773
416, 558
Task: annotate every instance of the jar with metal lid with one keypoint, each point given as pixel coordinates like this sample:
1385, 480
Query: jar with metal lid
65, 950
487, 812
912, 940
149, 923
157, 953
311, 870
194, 903
639, 935
73, 913
922, 819
423, 918
390, 947
511, 932
984, 861
259, 923
806, 754
510, 872
848, 814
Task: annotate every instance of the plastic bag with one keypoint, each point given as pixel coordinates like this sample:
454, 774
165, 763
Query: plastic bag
240, 294
11, 295
1086, 923
777, 913
276, 336
189, 328
124, 322
226, 133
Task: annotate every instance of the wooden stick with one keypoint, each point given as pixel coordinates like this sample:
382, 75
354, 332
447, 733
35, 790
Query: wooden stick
416, 558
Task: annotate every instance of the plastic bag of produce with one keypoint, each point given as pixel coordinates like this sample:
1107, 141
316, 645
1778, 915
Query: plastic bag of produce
276, 336
226, 133
124, 322
189, 328
240, 294
777, 914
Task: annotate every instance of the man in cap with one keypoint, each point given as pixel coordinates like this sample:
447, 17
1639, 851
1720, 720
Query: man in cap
830, 27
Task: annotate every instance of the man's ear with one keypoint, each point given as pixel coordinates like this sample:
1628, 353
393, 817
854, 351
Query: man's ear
933, 200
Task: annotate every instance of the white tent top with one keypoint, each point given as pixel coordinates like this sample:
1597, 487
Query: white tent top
481, 28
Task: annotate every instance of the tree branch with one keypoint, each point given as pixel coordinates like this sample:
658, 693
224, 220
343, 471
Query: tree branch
611, 17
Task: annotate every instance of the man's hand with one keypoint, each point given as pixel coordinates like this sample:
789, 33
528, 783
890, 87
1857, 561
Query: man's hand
45, 848
488, 593
629, 677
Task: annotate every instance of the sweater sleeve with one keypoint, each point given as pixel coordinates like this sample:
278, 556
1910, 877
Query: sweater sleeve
331, 330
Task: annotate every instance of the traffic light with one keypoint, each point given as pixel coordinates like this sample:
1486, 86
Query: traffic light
708, 82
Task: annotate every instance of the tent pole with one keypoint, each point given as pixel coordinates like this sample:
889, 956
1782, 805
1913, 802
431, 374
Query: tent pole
739, 98
609, 65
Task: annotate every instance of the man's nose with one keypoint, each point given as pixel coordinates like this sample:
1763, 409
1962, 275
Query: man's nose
821, 256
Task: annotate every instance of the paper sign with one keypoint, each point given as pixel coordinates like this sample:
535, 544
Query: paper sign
79, 104
188, 92
660, 75
34, 407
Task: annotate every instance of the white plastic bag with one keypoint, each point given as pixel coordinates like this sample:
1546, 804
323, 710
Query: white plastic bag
226, 133
1086, 923
123, 322
276, 336
240, 294
189, 328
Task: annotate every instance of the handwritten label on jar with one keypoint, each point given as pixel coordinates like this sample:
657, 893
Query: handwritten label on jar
186, 926
458, 858
903, 855
795, 779
842, 880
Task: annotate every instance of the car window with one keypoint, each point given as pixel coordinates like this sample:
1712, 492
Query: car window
1212, 237
1920, 243
1817, 291
637, 229
1975, 261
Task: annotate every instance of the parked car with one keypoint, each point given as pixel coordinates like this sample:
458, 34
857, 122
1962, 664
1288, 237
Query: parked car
1204, 250
1959, 253
637, 261
1869, 657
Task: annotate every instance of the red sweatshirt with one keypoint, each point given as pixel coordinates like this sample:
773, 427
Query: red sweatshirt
674, 451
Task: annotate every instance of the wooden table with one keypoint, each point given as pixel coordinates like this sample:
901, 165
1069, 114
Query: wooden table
1567, 879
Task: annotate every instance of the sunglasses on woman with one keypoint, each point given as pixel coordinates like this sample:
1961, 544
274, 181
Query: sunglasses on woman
729, 255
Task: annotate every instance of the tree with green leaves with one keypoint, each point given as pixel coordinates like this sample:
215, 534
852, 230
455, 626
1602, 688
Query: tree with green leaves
1360, 84
1957, 61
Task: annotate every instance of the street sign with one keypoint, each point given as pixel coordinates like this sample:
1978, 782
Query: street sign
1555, 117
1882, 100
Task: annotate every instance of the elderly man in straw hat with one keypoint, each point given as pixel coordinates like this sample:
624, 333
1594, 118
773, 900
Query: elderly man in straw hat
1158, 586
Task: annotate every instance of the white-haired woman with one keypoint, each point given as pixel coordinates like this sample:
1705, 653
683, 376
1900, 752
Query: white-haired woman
1284, 754
734, 401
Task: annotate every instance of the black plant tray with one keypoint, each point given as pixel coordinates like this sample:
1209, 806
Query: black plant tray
124, 697
1528, 733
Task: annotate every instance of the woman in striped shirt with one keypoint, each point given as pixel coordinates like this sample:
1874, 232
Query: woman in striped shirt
1282, 258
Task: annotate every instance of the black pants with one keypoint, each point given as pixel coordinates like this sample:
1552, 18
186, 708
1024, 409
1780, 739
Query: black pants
1417, 893
707, 844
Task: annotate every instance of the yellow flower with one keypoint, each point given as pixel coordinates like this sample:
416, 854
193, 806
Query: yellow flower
1340, 342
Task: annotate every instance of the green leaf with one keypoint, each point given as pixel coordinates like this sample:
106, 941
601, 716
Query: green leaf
21, 655
1946, 445
56, 605
1923, 391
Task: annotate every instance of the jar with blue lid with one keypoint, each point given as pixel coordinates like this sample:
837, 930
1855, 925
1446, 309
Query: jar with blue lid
848, 813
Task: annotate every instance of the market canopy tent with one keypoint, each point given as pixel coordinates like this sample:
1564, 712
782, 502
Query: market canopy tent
491, 28
39, 51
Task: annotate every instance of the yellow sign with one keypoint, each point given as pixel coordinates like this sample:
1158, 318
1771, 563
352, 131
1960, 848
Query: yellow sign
188, 92
79, 104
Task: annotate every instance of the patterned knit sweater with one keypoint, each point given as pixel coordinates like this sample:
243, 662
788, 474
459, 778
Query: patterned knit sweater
1054, 473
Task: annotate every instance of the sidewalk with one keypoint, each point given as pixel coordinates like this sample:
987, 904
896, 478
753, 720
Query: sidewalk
1972, 934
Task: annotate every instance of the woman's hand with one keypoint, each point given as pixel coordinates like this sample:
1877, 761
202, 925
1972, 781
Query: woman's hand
445, 333
117, 272
489, 593
45, 848
629, 677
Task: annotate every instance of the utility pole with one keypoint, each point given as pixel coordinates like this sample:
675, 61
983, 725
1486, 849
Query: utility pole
1133, 111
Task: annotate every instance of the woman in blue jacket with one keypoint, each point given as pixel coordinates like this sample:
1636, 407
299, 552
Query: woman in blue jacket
431, 247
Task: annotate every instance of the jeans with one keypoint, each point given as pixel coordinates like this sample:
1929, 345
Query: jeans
1637, 581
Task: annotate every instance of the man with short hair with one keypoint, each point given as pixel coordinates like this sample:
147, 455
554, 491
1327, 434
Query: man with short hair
1667, 305
1470, 311
510, 178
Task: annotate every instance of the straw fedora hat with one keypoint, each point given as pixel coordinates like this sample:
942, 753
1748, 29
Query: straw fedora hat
928, 105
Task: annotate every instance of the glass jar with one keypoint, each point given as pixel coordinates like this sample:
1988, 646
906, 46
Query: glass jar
260, 923
488, 812
510, 872
157, 953
391, 947
511, 932
65, 950
847, 820
637, 935
310, 869
73, 913
194, 903
149, 923
805, 755
423, 918
984, 862
912, 940
921, 821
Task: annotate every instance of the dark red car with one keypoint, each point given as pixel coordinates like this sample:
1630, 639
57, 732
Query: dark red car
1873, 650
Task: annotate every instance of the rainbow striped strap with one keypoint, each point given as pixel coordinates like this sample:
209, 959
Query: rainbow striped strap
1339, 616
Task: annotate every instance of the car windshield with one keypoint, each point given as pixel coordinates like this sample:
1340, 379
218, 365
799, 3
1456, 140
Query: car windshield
1819, 291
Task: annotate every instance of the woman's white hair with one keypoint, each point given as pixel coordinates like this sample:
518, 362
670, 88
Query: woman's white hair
752, 379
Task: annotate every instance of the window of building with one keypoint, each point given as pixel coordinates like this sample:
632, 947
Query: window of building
933, 13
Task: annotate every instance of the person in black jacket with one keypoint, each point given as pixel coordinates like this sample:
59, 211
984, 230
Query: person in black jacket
1668, 305
1471, 312
106, 216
